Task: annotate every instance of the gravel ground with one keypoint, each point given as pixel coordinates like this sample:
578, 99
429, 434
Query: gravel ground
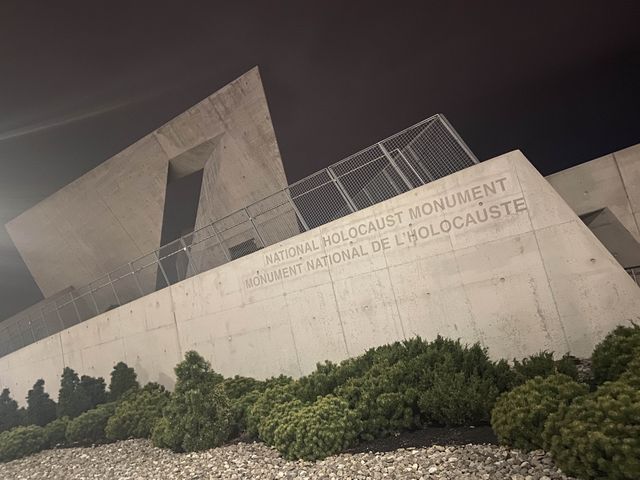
139, 460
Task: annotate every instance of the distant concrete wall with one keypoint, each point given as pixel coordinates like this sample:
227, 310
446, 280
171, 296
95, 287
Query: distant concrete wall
113, 214
611, 181
489, 254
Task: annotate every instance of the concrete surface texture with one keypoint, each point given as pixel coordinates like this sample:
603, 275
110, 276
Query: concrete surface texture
611, 182
489, 254
113, 214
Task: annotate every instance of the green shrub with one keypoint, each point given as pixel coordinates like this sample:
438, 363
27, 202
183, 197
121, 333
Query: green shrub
242, 393
21, 441
56, 432
10, 417
519, 416
611, 357
454, 399
95, 389
40, 408
198, 416
543, 365
89, 427
137, 414
72, 400
598, 435
279, 415
123, 379
315, 431
265, 403
411, 384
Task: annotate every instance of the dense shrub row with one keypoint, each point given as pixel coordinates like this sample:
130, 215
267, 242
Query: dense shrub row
535, 403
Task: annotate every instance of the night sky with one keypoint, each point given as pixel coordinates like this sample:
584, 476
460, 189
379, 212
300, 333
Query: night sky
81, 81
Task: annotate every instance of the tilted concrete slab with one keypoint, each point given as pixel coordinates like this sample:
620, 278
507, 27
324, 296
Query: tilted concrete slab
612, 181
113, 214
491, 254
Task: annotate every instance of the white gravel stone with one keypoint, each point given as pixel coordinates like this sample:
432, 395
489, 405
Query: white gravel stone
139, 460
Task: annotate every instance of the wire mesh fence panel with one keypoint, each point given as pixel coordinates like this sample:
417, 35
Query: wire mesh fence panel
83, 300
206, 251
238, 234
51, 318
319, 199
104, 294
370, 177
433, 151
148, 274
174, 261
67, 310
125, 285
275, 218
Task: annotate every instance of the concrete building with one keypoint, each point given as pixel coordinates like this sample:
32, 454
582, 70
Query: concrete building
491, 254
398, 240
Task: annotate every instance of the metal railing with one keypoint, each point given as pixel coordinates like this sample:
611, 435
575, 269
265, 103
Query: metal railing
418, 155
634, 272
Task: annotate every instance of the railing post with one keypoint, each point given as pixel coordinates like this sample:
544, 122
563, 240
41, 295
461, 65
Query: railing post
392, 162
224, 249
254, 228
113, 288
93, 299
189, 259
135, 279
352, 207
164, 274
457, 137
298, 214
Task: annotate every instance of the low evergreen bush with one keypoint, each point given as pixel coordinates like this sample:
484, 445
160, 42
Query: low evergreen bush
279, 415
612, 355
598, 435
198, 415
40, 408
543, 365
137, 414
10, 415
519, 416
454, 399
123, 379
89, 427
56, 432
72, 400
21, 441
275, 395
315, 431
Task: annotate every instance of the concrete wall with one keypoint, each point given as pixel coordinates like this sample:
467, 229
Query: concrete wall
113, 214
489, 254
611, 181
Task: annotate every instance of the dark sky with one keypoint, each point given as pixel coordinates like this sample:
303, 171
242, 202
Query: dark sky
80, 81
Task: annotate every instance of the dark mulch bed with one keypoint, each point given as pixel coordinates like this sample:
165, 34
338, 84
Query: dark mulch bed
428, 437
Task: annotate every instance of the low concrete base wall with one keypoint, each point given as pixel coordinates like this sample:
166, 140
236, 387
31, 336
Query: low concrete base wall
489, 254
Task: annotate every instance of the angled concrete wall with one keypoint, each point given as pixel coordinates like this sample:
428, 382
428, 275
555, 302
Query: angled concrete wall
113, 214
612, 181
489, 254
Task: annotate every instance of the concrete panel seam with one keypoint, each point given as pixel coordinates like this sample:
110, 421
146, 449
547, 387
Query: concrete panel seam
544, 265
335, 299
293, 337
466, 293
175, 322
